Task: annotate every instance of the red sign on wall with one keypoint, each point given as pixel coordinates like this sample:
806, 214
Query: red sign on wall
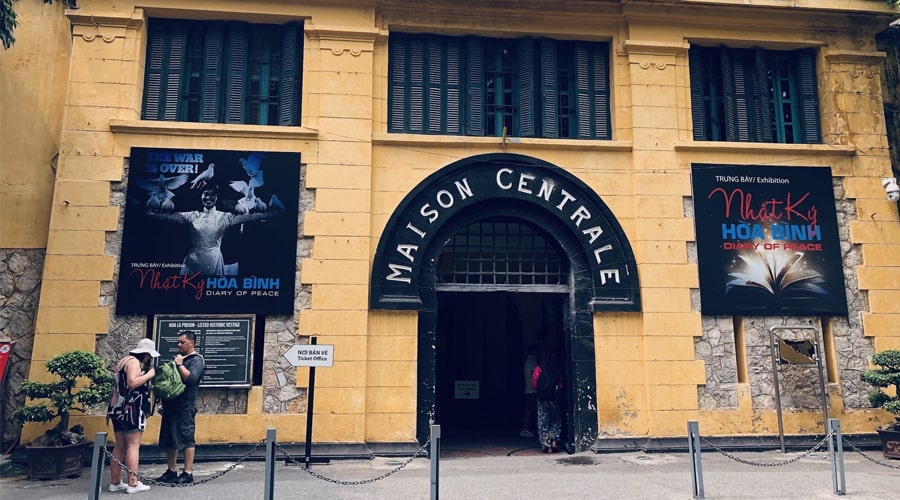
5, 352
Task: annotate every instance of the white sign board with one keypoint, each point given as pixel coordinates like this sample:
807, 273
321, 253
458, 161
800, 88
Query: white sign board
466, 389
310, 355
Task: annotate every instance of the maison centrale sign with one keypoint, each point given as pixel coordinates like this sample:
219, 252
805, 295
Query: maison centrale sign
503, 186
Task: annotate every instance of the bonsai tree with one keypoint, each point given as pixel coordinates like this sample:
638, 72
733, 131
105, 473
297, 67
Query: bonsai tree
887, 375
58, 399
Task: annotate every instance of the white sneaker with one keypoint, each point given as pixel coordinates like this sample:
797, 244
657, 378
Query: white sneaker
118, 487
137, 489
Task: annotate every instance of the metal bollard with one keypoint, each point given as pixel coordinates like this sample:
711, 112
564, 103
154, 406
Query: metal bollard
435, 460
696, 464
836, 456
98, 461
270, 465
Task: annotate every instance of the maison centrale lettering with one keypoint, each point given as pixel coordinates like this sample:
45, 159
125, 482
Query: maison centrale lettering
435, 205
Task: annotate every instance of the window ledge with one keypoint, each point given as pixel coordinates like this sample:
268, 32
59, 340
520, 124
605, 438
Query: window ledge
385, 139
765, 147
210, 129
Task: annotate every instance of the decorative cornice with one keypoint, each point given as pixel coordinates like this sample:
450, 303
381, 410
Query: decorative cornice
86, 17
511, 143
340, 33
836, 56
210, 129
645, 47
764, 148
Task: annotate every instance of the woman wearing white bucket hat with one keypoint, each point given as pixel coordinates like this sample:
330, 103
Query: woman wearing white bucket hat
128, 409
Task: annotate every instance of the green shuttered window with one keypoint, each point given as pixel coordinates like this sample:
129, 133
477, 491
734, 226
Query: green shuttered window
489, 87
223, 72
754, 95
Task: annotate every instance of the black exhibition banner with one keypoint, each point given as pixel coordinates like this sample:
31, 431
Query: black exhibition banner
226, 343
767, 241
209, 232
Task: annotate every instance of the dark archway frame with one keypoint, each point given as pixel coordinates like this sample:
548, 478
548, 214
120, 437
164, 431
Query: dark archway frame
403, 276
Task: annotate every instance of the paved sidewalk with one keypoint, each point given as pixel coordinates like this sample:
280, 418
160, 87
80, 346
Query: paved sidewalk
637, 475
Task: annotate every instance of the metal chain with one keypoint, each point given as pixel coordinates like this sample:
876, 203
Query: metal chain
217, 475
770, 464
867, 457
289, 458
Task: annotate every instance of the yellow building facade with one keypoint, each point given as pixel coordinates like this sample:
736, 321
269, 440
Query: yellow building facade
399, 193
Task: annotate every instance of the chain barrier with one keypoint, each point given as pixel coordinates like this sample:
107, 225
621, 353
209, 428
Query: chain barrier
147, 480
770, 464
289, 459
867, 457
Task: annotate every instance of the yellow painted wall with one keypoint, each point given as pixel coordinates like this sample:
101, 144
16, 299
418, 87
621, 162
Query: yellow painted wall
360, 173
33, 75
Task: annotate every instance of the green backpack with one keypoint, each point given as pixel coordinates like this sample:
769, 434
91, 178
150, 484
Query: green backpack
167, 383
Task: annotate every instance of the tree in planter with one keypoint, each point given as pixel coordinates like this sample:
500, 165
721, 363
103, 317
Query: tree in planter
58, 399
886, 375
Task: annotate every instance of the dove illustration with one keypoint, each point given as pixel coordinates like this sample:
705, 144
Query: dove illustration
252, 165
204, 177
160, 191
161, 202
249, 202
275, 204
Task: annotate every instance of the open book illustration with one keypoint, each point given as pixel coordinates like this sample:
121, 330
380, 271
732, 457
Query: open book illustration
779, 275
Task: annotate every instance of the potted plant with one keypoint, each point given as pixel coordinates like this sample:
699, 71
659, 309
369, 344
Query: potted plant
60, 451
887, 375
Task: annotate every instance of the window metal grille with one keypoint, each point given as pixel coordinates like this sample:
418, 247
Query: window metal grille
501, 253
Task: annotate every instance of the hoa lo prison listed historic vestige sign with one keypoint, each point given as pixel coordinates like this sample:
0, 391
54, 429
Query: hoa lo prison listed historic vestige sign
226, 343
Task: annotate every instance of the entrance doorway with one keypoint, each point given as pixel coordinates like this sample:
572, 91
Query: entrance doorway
484, 239
482, 341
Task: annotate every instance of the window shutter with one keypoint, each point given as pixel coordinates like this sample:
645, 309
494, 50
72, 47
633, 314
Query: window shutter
212, 67
809, 99
475, 103
435, 80
165, 58
290, 78
416, 79
600, 56
734, 76
398, 76
698, 111
592, 88
237, 73
549, 97
453, 70
525, 82
172, 85
761, 102
156, 62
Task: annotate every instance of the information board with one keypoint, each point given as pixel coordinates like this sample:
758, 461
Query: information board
466, 389
226, 343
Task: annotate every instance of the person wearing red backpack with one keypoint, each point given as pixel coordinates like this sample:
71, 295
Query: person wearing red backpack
176, 432
547, 382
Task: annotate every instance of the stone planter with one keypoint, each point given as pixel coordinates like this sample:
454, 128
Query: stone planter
890, 442
52, 462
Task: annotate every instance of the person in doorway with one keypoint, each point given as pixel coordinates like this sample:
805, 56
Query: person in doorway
547, 383
530, 398
129, 407
178, 416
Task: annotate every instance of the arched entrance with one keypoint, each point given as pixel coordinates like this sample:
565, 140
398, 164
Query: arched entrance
521, 192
